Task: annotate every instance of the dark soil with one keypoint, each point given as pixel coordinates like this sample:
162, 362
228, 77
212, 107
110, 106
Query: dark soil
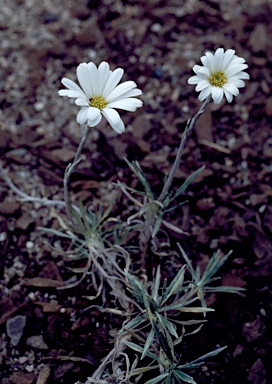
229, 207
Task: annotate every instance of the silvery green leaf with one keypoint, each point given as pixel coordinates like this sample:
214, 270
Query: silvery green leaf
213, 266
148, 342
132, 190
136, 168
188, 309
133, 323
140, 371
199, 360
187, 182
157, 225
157, 379
176, 283
183, 376
167, 324
188, 262
177, 304
225, 288
163, 342
136, 284
137, 348
157, 283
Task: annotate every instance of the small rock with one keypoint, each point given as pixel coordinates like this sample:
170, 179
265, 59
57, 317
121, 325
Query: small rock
36, 342
29, 368
258, 38
238, 350
22, 378
15, 328
25, 221
22, 359
9, 207
29, 244
253, 330
257, 373
267, 148
3, 236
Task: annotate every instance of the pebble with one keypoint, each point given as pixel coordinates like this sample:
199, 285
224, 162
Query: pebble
29, 244
15, 328
22, 359
36, 342
39, 106
3, 236
32, 296
29, 368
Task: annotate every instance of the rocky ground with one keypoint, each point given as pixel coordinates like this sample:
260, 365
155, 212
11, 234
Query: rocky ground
229, 207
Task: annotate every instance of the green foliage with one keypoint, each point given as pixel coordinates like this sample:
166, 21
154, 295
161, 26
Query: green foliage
151, 208
201, 281
157, 321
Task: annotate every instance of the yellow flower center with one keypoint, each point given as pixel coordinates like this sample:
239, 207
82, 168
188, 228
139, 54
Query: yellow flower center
98, 102
218, 79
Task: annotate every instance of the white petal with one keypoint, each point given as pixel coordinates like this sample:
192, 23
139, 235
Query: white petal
194, 80
82, 116
118, 91
128, 104
82, 102
219, 56
238, 60
243, 75
229, 96
235, 81
131, 93
205, 61
103, 75
93, 116
93, 75
217, 94
231, 88
203, 72
84, 79
63, 92
235, 69
205, 93
114, 119
229, 54
94, 122
212, 62
202, 84
71, 93
113, 80
70, 84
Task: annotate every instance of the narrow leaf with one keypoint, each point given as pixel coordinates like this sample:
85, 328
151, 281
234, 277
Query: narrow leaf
157, 379
148, 343
183, 376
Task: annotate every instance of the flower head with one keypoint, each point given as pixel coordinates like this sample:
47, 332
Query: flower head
221, 74
100, 95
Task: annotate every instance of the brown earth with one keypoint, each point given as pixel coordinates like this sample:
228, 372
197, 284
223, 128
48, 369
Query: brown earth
229, 206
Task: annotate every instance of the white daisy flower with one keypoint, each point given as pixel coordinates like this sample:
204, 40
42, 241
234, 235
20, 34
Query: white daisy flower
99, 94
221, 74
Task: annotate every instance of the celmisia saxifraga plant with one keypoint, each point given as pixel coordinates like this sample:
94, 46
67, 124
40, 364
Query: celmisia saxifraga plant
153, 304
221, 74
100, 95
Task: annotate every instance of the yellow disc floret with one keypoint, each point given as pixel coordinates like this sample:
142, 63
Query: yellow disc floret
218, 79
98, 102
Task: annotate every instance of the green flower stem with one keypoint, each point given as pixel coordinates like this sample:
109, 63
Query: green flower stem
69, 170
189, 127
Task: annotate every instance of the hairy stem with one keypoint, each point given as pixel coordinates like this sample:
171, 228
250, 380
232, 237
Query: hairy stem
189, 127
69, 170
